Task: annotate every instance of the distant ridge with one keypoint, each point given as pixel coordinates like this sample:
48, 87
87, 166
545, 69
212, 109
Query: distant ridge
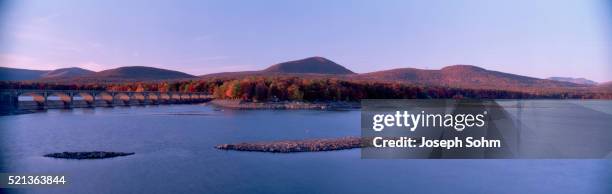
582, 81
75, 74
315, 65
310, 67
16, 74
67, 73
463, 76
458, 76
138, 73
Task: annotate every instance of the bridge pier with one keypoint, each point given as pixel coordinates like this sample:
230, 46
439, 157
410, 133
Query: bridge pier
93, 100
69, 104
44, 105
9, 101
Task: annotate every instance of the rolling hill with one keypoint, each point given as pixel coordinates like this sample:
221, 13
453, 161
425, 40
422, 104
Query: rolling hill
463, 76
75, 74
79, 74
137, 73
15, 74
66, 73
311, 67
458, 76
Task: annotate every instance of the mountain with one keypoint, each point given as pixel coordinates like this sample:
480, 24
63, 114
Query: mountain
75, 74
67, 73
15, 74
314, 65
582, 81
463, 76
459, 76
137, 73
308, 67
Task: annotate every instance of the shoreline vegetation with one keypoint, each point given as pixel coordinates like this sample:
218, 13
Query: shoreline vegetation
87, 155
310, 89
283, 105
289, 146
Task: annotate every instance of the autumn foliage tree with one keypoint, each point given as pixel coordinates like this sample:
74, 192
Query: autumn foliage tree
312, 89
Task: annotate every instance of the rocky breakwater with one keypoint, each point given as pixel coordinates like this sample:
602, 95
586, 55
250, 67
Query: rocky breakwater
239, 104
87, 155
310, 145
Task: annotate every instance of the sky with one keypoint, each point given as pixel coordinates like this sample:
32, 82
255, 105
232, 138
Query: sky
535, 38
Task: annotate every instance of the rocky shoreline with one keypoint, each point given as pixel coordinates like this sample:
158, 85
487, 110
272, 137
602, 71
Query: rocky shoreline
238, 104
87, 155
310, 145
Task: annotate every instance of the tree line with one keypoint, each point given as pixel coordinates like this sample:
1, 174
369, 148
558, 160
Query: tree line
310, 89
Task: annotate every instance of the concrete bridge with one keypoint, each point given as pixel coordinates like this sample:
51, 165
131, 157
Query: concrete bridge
46, 99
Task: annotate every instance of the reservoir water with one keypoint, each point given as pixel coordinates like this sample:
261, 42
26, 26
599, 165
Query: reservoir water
174, 146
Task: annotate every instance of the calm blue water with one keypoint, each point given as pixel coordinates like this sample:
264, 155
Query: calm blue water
175, 154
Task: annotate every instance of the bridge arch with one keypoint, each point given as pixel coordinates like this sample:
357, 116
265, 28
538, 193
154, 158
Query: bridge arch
87, 97
105, 97
58, 99
164, 97
139, 97
32, 96
175, 96
123, 97
33, 100
185, 96
153, 97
